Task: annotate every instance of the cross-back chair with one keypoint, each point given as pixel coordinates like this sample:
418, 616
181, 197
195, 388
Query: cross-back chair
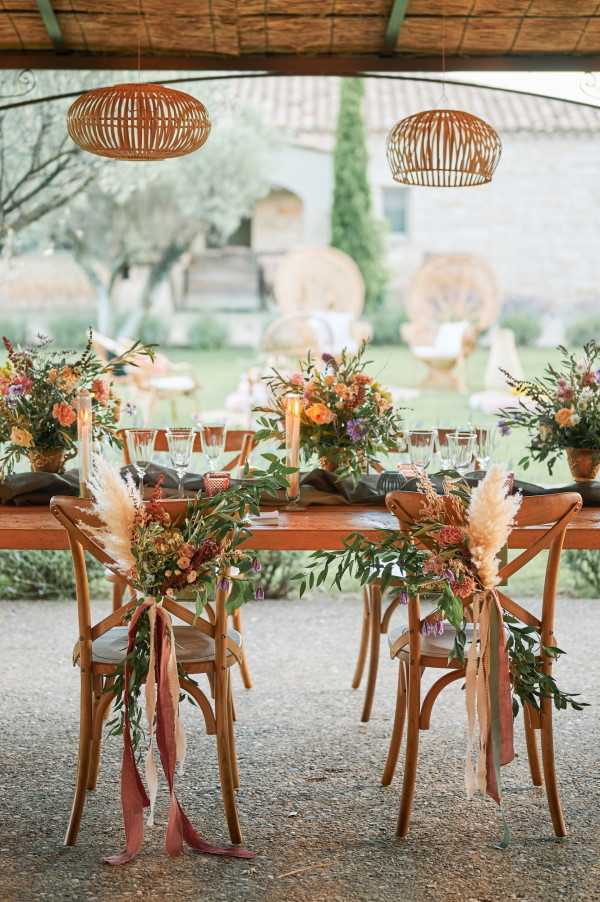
237, 440
202, 646
416, 651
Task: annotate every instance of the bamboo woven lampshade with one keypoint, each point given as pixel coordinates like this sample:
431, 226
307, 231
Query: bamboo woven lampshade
443, 149
138, 122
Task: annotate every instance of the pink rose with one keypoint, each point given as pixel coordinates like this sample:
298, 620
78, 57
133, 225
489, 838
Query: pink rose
101, 391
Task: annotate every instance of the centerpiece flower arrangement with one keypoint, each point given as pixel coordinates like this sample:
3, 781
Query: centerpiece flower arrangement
450, 556
38, 396
195, 554
348, 417
561, 412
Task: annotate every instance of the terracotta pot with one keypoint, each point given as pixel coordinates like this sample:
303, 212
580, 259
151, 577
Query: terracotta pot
332, 466
584, 463
47, 460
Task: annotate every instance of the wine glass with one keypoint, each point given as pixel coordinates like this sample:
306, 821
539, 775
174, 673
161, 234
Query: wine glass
140, 444
461, 446
213, 442
180, 443
443, 448
486, 444
420, 447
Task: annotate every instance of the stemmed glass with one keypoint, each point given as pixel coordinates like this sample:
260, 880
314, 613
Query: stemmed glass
443, 448
461, 446
140, 444
180, 443
420, 447
486, 444
213, 443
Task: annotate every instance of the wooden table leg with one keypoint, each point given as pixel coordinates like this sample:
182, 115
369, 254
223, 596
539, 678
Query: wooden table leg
375, 627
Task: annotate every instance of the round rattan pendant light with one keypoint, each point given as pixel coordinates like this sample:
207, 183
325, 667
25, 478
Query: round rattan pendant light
443, 149
138, 122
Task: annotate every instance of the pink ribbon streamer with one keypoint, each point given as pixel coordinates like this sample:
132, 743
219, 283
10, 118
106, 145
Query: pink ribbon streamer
133, 794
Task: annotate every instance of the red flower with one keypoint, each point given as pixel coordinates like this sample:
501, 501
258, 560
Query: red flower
450, 535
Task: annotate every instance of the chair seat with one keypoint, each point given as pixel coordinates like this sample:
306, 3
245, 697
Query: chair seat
431, 645
190, 645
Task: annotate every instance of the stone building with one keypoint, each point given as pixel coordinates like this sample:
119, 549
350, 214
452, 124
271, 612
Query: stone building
537, 223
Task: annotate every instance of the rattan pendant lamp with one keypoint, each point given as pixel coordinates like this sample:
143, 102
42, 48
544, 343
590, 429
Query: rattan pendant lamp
138, 121
443, 148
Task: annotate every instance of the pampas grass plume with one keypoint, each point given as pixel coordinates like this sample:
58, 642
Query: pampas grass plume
115, 504
490, 519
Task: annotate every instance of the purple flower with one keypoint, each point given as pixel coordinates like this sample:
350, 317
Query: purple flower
433, 629
597, 376
256, 565
329, 360
260, 593
223, 584
403, 597
504, 427
15, 391
356, 429
130, 408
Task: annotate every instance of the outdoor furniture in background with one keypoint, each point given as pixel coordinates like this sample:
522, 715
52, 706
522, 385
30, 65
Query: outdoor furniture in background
452, 299
415, 651
151, 381
202, 647
503, 355
323, 285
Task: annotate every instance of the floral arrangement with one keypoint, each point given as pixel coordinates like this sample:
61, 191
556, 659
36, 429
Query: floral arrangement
560, 410
348, 417
163, 556
38, 393
450, 555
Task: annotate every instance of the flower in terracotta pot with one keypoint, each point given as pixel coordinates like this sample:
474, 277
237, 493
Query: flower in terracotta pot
561, 412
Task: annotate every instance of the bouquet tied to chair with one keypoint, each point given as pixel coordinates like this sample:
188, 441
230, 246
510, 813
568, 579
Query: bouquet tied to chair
193, 552
450, 553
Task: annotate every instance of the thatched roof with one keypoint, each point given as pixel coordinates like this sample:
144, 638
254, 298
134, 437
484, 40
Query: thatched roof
319, 36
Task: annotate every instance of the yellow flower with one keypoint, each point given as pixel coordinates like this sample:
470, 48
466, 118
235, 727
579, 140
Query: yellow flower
21, 437
320, 414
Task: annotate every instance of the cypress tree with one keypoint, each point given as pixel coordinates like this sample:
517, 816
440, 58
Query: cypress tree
353, 227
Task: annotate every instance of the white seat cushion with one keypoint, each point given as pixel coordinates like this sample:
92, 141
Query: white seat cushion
438, 646
190, 645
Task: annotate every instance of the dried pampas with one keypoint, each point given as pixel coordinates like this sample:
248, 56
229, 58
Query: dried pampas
490, 518
116, 501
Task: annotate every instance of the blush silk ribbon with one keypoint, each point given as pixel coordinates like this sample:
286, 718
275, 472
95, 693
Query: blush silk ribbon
162, 695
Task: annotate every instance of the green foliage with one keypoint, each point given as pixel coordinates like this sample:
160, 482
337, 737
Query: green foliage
386, 323
70, 330
353, 228
44, 575
526, 326
583, 329
278, 569
206, 334
154, 329
585, 568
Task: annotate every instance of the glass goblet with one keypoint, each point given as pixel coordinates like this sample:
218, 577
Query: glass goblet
180, 443
140, 444
486, 444
443, 448
214, 436
420, 447
461, 447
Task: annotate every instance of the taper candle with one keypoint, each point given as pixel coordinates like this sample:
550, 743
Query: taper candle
84, 438
293, 414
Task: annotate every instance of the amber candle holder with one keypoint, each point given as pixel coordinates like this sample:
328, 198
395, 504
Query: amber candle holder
216, 482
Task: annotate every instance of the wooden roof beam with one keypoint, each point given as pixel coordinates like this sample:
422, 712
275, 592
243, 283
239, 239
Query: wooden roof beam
394, 24
51, 25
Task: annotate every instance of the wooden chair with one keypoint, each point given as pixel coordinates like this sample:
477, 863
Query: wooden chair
415, 652
205, 648
237, 440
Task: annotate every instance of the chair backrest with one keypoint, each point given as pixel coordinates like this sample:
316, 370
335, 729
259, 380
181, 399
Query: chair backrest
78, 517
241, 440
552, 512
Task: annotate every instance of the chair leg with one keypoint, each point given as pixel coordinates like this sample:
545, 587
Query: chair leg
83, 763
364, 642
233, 762
223, 752
547, 742
375, 637
398, 728
532, 749
412, 748
100, 707
244, 669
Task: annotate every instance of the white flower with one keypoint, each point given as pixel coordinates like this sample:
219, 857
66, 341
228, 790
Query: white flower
585, 398
575, 419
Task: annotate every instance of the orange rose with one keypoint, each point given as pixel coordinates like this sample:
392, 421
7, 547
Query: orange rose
101, 390
320, 414
566, 416
64, 413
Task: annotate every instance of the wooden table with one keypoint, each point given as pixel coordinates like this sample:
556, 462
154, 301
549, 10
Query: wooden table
29, 528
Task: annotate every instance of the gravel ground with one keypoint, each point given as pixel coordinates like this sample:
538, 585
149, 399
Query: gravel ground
311, 803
